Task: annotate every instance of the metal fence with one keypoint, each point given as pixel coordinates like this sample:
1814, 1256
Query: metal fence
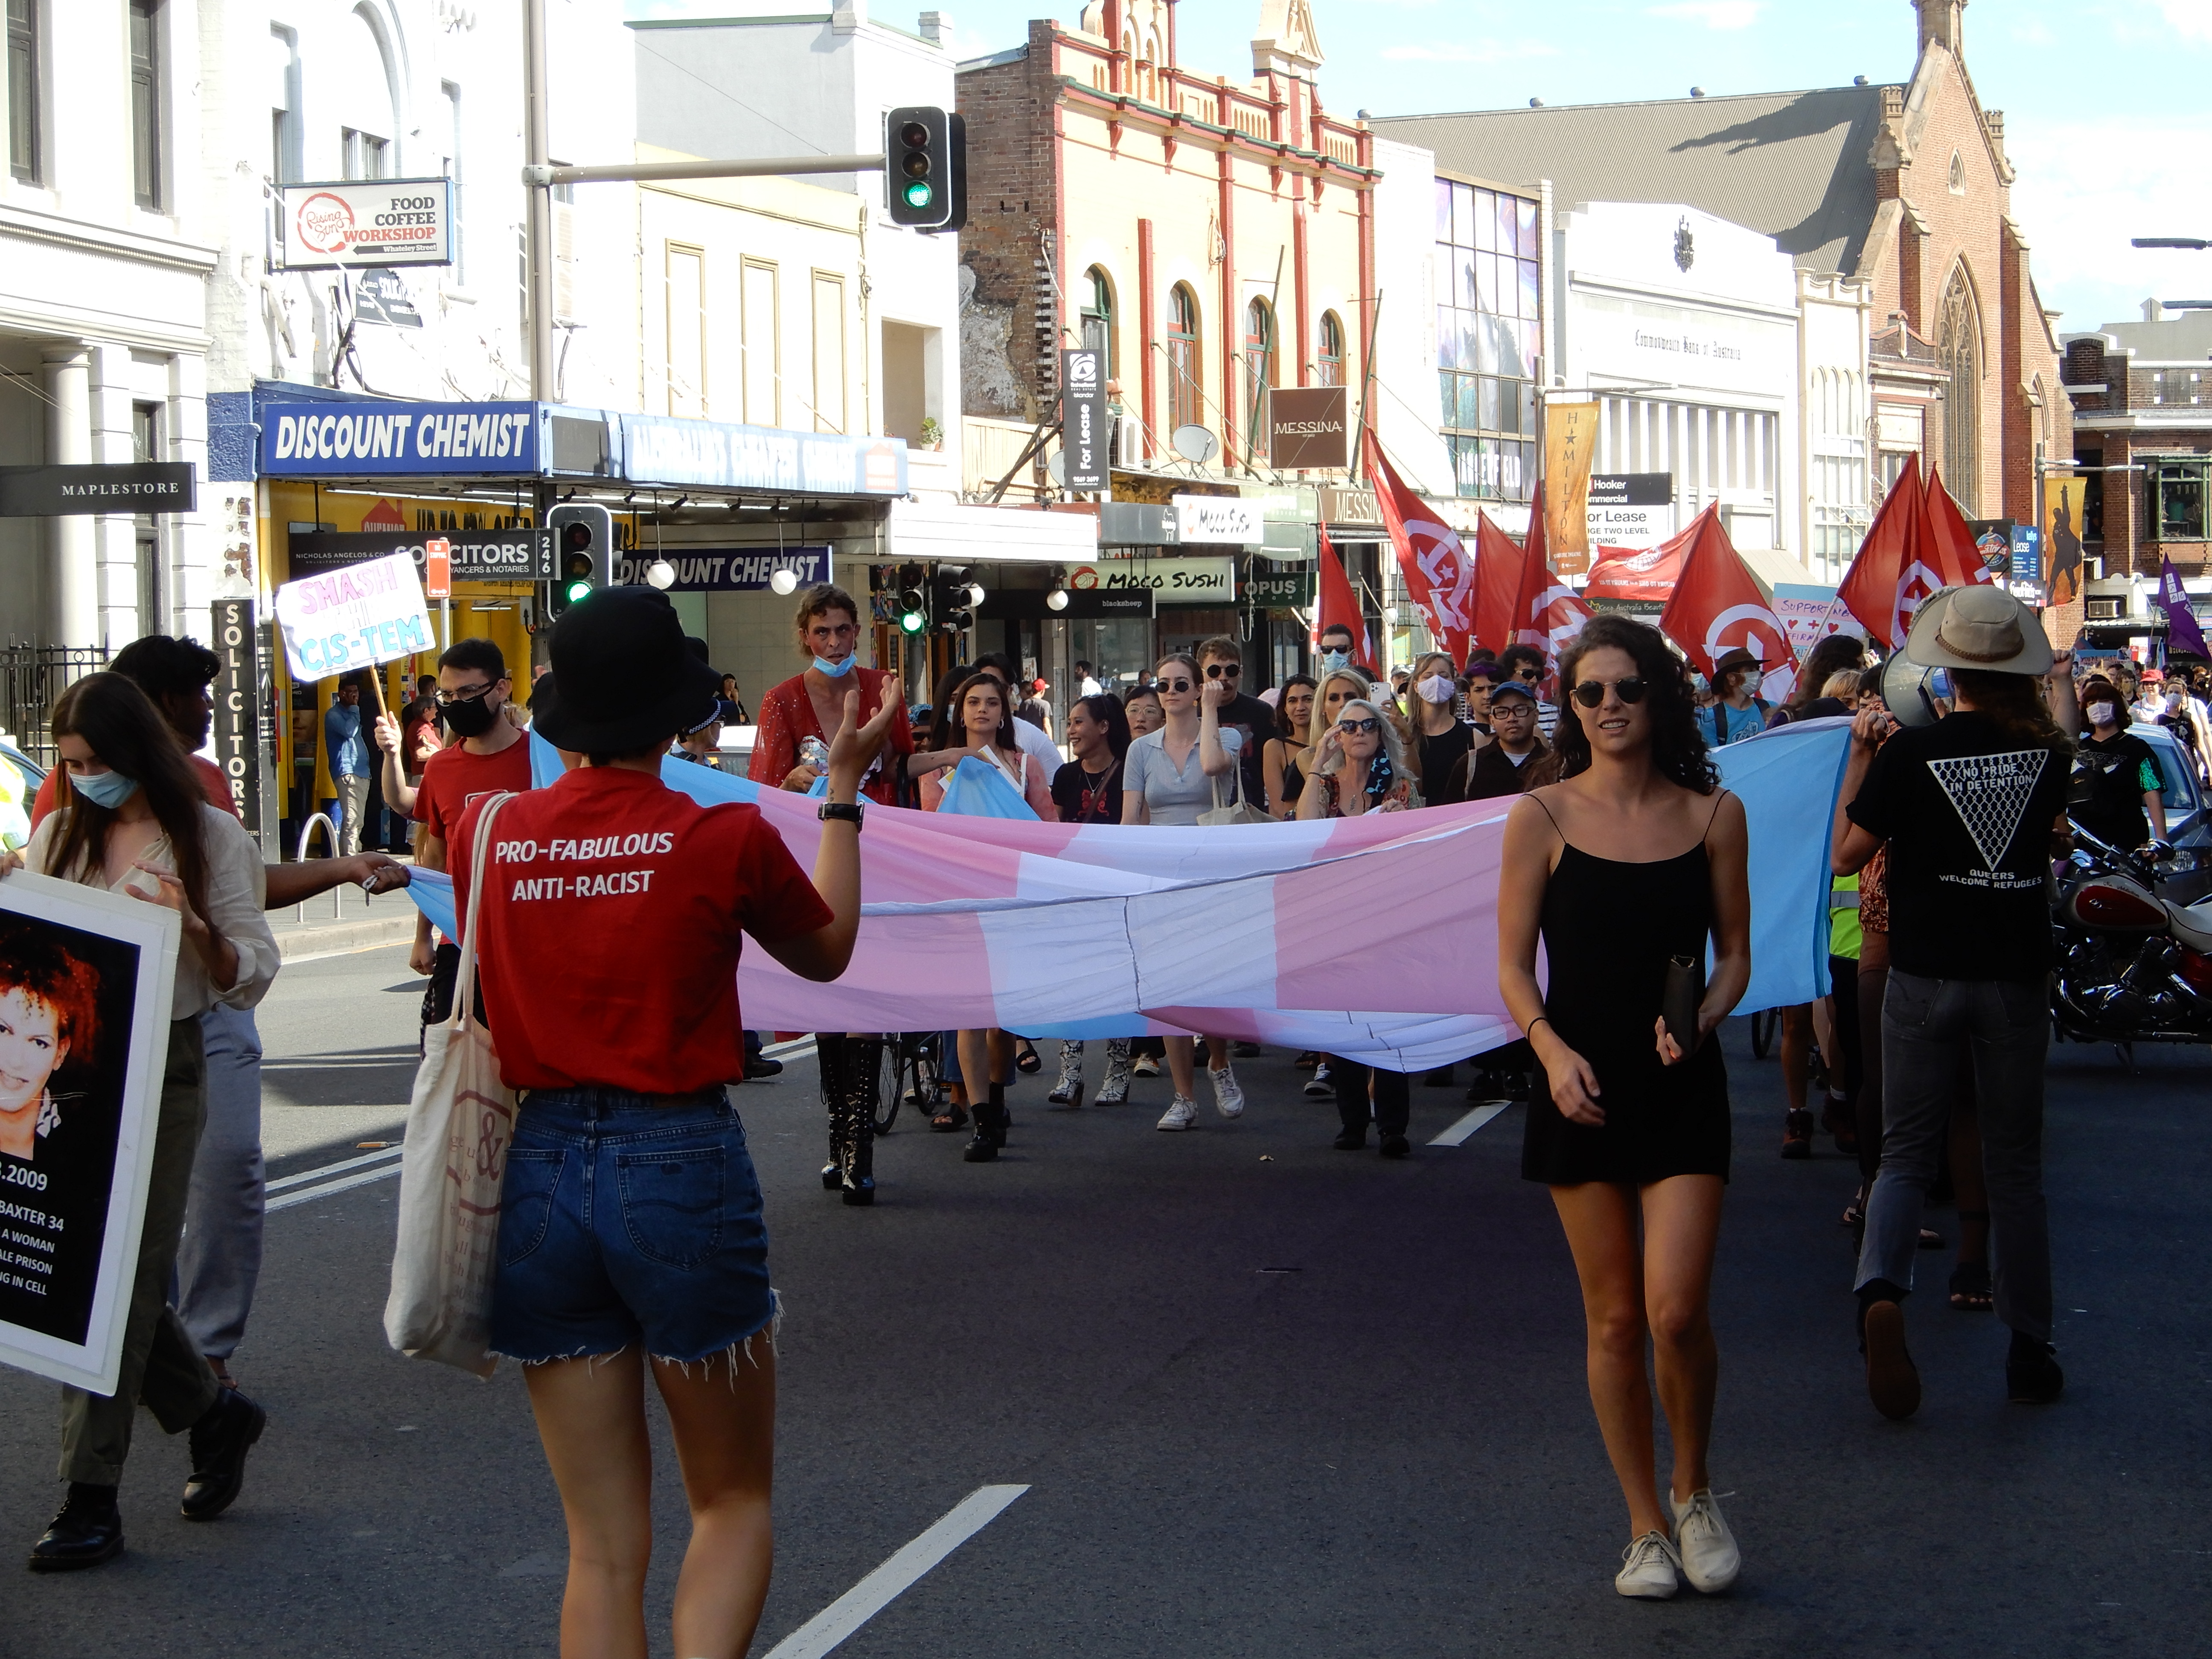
31, 677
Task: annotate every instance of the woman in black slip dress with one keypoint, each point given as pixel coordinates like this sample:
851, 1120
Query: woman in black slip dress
1635, 858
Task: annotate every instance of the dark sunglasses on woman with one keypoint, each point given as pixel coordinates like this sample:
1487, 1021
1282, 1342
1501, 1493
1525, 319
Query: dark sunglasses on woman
1350, 728
1590, 693
1174, 685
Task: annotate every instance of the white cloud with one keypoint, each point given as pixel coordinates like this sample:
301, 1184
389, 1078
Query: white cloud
2190, 19
1722, 14
1481, 51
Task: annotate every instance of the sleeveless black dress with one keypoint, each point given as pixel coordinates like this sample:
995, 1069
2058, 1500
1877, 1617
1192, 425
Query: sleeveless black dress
1608, 930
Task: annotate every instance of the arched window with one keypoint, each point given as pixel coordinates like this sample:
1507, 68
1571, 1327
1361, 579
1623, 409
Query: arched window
1331, 365
368, 124
1098, 320
1958, 173
1259, 358
1959, 353
1184, 402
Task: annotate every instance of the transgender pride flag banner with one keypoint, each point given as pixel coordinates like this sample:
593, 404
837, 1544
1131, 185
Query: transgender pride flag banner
1375, 937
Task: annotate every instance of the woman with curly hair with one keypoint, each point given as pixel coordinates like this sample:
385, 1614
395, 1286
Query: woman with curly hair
1625, 867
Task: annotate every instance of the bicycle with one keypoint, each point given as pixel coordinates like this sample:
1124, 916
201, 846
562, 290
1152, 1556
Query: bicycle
908, 1073
1763, 1025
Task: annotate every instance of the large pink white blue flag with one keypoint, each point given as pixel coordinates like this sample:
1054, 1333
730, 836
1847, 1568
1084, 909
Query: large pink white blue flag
1374, 938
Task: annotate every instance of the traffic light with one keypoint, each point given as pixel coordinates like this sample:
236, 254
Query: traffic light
925, 167
956, 597
583, 553
913, 600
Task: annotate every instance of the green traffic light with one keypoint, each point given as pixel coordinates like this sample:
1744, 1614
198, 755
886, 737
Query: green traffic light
911, 621
577, 590
920, 193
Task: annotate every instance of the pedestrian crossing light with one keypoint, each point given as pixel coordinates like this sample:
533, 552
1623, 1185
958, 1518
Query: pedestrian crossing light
925, 167
913, 600
583, 553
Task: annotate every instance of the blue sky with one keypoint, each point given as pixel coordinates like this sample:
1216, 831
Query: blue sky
2103, 154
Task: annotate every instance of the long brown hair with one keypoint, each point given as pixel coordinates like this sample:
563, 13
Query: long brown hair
2015, 703
123, 729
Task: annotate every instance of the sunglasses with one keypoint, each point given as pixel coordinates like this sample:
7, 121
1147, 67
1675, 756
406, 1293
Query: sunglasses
1175, 685
1590, 693
1222, 671
1524, 672
1365, 725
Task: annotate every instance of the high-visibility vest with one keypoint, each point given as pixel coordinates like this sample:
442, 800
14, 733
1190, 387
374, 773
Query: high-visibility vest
1844, 933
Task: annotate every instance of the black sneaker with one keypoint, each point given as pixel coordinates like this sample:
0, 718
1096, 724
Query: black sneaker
221, 1440
87, 1531
758, 1067
2032, 1376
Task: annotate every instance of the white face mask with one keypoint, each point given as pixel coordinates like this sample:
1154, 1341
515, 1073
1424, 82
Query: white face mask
2102, 713
1437, 689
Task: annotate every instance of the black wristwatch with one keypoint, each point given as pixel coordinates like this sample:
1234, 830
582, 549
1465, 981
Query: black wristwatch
847, 811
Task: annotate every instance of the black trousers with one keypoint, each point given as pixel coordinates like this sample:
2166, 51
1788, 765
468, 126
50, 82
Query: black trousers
1392, 1105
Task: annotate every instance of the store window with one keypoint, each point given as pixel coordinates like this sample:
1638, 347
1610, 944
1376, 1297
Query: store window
2177, 493
1329, 370
146, 104
1099, 320
1489, 291
1182, 342
23, 161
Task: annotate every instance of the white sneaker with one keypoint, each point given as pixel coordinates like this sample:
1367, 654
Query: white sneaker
1146, 1066
1181, 1113
1228, 1092
1707, 1548
1318, 1084
1647, 1569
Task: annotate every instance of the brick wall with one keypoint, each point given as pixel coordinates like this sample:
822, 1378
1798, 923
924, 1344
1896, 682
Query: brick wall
1010, 110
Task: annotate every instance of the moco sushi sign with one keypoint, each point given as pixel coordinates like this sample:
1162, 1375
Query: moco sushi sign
360, 222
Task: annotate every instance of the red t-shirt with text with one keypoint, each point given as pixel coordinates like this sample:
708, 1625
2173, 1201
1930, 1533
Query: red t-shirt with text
455, 779
614, 910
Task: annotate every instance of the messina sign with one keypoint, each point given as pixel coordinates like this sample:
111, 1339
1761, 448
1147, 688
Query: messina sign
368, 222
352, 439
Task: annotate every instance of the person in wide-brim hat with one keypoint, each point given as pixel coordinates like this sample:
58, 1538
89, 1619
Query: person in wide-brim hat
626, 680
1981, 627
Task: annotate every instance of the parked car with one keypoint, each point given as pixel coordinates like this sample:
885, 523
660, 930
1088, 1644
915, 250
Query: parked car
19, 778
2188, 877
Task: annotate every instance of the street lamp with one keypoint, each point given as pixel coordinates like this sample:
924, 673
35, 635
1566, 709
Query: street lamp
784, 580
661, 575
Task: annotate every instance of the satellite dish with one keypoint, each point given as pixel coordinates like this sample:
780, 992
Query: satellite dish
1055, 465
1909, 688
1196, 443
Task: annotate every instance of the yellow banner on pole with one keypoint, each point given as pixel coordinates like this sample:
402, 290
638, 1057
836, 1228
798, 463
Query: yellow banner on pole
2062, 537
1569, 440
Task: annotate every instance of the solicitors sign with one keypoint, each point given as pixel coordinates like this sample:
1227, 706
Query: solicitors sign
481, 556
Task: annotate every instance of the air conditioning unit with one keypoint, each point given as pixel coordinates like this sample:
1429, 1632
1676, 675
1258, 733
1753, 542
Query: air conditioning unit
2104, 610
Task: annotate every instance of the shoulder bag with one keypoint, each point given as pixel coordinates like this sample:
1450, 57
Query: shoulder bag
459, 1125
1241, 813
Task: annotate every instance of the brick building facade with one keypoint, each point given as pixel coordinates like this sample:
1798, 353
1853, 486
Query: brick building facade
1213, 235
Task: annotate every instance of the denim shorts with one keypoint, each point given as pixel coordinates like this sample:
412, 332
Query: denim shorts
626, 1219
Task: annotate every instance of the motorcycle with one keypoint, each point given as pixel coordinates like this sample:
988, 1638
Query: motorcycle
2132, 967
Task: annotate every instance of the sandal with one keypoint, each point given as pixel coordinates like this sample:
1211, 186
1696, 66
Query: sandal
1970, 1287
954, 1116
1930, 1239
1027, 1059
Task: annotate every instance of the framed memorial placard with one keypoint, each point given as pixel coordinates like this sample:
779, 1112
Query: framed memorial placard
85, 980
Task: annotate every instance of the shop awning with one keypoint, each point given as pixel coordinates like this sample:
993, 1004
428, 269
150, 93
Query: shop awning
952, 533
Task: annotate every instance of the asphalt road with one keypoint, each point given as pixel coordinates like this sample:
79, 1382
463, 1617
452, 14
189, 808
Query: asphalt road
1266, 1399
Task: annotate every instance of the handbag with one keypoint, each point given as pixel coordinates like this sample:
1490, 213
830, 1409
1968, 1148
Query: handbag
1240, 813
460, 1121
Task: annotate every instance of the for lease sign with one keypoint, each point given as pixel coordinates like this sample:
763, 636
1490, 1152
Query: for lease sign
353, 618
368, 222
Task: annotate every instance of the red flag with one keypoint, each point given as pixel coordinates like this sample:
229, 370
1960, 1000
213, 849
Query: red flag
1869, 589
1949, 545
1439, 574
1500, 567
1718, 606
1630, 572
1547, 613
1334, 604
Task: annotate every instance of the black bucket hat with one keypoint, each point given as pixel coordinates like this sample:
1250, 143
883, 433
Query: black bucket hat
627, 678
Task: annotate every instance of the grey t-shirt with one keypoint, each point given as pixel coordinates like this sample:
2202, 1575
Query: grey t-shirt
1173, 796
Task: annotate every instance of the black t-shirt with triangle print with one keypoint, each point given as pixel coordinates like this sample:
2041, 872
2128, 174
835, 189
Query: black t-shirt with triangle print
1968, 810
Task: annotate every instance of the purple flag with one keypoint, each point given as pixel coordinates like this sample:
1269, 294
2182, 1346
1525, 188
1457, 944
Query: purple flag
2182, 633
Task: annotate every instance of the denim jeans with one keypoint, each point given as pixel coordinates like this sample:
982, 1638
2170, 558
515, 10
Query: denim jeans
2003, 1027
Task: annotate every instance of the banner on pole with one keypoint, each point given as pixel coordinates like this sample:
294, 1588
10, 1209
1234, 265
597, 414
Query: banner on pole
353, 618
1569, 440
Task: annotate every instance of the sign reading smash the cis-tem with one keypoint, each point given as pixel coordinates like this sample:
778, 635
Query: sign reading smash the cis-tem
368, 221
352, 618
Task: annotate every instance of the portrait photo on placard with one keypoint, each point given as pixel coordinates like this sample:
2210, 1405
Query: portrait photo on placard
65, 1006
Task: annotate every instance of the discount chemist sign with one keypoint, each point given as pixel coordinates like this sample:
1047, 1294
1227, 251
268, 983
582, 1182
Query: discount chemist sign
352, 618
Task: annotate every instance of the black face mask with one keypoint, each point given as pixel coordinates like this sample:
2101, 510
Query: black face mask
469, 717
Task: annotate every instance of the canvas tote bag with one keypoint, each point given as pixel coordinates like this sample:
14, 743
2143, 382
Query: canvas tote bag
459, 1125
1241, 813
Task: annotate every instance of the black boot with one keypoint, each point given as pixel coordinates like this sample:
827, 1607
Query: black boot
991, 1125
865, 1078
87, 1531
221, 1440
829, 1060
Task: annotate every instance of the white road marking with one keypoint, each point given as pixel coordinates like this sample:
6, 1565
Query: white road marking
1458, 1134
823, 1632
329, 1169
342, 1176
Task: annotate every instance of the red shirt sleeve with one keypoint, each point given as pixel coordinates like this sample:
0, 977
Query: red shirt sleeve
215, 786
780, 900
43, 803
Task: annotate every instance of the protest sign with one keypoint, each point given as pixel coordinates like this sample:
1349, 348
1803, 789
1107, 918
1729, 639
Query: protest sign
355, 617
85, 978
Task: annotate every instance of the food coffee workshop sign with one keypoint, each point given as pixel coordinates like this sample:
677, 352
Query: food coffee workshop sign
368, 222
